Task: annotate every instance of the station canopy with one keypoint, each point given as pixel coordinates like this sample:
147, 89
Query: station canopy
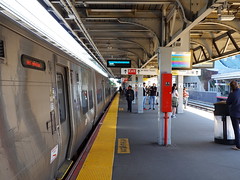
134, 29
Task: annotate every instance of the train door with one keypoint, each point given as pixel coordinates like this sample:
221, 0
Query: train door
63, 108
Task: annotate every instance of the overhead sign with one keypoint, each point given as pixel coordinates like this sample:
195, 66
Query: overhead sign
137, 71
132, 71
193, 72
126, 64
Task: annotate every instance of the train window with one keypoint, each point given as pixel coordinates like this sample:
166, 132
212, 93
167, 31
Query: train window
90, 90
33, 63
61, 97
99, 95
1, 49
84, 102
77, 77
106, 92
84, 90
71, 76
90, 99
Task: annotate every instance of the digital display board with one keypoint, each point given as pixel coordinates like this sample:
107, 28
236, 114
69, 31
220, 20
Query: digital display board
119, 64
33, 63
181, 60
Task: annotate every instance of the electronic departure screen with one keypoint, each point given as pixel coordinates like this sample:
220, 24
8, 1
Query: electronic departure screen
181, 60
121, 64
33, 63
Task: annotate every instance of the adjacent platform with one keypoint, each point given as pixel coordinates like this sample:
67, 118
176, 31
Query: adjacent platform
192, 155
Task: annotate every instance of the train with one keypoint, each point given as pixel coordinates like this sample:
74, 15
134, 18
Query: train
49, 103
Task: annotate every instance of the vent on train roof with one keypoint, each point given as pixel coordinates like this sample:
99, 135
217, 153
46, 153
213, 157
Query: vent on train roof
1, 49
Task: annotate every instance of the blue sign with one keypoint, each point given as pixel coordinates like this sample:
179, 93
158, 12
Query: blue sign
120, 64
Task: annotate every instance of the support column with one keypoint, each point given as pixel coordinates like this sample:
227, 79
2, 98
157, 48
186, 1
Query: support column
180, 93
140, 94
133, 87
165, 66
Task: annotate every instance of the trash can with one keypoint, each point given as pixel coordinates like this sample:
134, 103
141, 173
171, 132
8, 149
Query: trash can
223, 130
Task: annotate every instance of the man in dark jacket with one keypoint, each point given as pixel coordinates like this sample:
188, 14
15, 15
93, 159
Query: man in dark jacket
233, 102
152, 94
144, 96
130, 97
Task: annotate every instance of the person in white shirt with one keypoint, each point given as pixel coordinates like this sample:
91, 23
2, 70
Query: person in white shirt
174, 100
185, 97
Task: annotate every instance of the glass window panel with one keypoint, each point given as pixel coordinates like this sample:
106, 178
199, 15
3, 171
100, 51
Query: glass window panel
61, 98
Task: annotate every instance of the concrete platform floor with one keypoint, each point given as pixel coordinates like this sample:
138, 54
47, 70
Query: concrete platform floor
192, 155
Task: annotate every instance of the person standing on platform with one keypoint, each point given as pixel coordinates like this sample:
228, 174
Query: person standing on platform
144, 96
233, 101
120, 90
174, 100
148, 95
136, 90
130, 97
152, 94
185, 97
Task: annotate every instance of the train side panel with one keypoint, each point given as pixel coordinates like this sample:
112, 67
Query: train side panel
49, 102
83, 109
100, 95
25, 101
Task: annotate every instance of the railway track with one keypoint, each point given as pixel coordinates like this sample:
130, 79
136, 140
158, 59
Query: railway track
201, 105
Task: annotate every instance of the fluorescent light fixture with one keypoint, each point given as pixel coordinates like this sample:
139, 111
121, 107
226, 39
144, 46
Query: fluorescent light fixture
112, 10
37, 17
196, 33
226, 17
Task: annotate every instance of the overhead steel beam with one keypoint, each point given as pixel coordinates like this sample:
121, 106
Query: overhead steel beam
219, 54
118, 30
114, 27
202, 52
170, 14
224, 35
233, 41
152, 25
229, 26
120, 35
151, 59
134, 14
189, 25
229, 36
142, 43
225, 46
172, 23
124, 2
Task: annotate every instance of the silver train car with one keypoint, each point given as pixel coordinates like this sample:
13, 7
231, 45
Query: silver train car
49, 102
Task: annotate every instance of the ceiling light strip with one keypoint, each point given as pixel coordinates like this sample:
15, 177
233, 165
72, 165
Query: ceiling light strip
34, 15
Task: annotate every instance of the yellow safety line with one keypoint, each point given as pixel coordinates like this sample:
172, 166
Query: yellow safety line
99, 162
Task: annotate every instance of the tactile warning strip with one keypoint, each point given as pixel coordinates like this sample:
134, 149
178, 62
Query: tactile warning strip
99, 162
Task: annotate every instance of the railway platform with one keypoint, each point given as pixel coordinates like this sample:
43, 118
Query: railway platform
126, 148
